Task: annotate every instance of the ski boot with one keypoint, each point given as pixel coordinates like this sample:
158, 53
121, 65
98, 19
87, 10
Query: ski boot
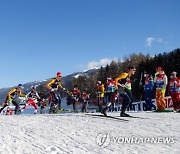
103, 111
122, 114
35, 111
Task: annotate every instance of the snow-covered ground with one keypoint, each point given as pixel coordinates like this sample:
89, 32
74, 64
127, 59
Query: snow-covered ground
80, 133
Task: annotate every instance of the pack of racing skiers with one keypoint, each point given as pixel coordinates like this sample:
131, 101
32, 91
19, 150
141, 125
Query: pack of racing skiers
120, 86
78, 97
14, 98
54, 99
123, 88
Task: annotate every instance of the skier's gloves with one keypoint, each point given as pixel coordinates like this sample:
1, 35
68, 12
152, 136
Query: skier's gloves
39, 99
140, 83
10, 100
122, 85
156, 74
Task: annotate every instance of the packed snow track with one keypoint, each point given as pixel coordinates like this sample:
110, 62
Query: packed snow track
80, 133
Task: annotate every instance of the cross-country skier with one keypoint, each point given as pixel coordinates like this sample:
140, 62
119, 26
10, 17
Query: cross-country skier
9, 111
123, 83
84, 100
14, 96
6, 103
161, 81
174, 89
76, 95
53, 86
110, 90
43, 104
100, 94
32, 96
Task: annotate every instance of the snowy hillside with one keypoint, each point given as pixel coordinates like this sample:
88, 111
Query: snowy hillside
80, 133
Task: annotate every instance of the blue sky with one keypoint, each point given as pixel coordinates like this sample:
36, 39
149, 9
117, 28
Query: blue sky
40, 37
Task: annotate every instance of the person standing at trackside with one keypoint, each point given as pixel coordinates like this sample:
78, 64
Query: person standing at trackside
161, 81
14, 96
148, 91
123, 84
174, 89
53, 86
100, 94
